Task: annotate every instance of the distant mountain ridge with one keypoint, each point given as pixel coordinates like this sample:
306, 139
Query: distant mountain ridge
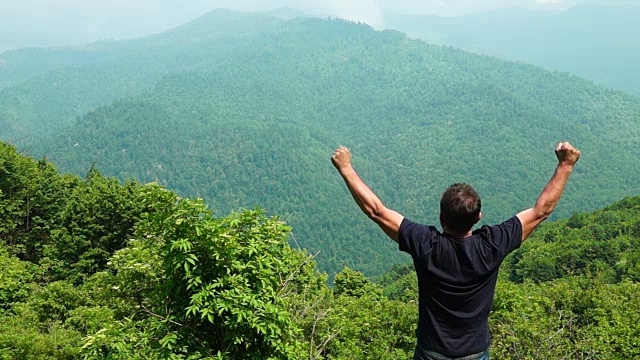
76, 80
598, 42
21, 64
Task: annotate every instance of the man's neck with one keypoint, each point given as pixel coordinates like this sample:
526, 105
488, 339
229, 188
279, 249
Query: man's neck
456, 234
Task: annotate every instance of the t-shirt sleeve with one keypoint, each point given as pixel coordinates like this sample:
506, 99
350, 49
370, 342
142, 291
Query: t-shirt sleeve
508, 235
413, 238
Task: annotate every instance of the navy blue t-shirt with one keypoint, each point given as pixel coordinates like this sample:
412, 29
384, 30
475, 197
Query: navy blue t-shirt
457, 280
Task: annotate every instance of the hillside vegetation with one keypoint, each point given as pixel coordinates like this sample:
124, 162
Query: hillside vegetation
97, 269
257, 129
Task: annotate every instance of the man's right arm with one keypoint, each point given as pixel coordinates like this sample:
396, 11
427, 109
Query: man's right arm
567, 157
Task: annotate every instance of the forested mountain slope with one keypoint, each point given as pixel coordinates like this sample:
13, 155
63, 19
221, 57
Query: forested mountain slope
258, 130
44, 90
598, 42
93, 268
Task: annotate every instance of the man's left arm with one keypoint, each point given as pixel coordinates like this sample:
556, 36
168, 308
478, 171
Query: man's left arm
366, 199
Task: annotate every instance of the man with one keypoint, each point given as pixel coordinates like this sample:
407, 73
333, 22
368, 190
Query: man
457, 269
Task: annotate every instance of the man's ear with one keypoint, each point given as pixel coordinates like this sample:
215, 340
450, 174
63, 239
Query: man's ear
479, 217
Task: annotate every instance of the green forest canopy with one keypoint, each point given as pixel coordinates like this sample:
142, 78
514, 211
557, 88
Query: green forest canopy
97, 269
257, 129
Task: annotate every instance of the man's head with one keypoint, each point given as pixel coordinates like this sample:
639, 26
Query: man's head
460, 208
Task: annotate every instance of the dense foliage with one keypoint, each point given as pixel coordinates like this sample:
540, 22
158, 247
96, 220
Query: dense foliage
182, 284
603, 243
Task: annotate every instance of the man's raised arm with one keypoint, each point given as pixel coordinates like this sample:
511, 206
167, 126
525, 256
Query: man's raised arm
567, 157
368, 202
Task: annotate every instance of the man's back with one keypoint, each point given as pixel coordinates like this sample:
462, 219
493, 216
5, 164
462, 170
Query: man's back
457, 279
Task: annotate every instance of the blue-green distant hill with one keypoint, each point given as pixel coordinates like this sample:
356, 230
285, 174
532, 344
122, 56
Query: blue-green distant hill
598, 42
245, 110
44, 90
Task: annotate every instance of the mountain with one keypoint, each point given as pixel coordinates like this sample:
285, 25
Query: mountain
591, 40
257, 129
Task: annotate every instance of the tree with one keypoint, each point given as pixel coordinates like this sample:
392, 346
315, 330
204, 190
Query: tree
215, 285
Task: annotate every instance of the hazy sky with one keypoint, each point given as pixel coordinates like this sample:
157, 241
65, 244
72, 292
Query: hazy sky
64, 22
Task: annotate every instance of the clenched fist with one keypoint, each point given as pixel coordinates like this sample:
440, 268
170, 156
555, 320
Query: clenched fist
567, 154
341, 159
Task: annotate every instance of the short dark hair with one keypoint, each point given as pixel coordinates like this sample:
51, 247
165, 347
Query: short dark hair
460, 207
